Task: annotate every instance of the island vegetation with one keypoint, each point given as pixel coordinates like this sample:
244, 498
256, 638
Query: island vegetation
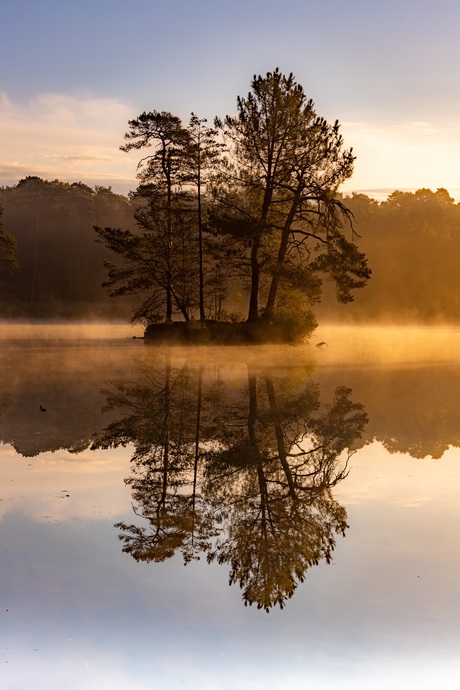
248, 207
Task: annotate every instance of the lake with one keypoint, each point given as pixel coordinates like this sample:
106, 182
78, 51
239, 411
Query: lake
229, 518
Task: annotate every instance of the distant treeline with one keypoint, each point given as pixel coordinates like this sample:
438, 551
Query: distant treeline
412, 242
61, 267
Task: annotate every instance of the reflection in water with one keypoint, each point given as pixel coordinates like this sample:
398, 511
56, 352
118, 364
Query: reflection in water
242, 475
75, 607
412, 404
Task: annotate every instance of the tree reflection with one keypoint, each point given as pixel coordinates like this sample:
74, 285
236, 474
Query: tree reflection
162, 421
242, 475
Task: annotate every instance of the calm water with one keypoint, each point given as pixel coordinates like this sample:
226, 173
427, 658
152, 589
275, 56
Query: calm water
229, 518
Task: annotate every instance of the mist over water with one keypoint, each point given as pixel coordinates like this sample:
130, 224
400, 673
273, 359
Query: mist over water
345, 344
38, 333
330, 469
387, 344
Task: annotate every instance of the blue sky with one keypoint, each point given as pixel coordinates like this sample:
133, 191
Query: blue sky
75, 72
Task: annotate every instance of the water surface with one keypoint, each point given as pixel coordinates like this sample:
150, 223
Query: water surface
322, 482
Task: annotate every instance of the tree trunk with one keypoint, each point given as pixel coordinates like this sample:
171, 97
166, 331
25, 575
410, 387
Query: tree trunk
274, 285
200, 244
255, 279
169, 303
280, 437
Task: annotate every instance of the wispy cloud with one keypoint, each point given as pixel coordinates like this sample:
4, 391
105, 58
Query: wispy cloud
66, 137
79, 159
404, 155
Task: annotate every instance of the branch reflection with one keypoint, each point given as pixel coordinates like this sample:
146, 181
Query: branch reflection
240, 471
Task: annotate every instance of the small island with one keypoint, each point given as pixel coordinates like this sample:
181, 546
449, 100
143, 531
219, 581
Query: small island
238, 225
230, 333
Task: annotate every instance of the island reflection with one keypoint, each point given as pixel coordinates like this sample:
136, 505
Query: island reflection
241, 473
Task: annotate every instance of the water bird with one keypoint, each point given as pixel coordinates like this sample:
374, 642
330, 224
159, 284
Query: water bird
43, 409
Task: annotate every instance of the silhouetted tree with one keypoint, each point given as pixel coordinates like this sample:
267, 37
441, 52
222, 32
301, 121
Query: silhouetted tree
164, 261
162, 170
157, 263
274, 193
286, 164
203, 152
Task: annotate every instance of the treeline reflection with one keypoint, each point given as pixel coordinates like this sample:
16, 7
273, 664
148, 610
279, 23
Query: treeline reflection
240, 471
411, 409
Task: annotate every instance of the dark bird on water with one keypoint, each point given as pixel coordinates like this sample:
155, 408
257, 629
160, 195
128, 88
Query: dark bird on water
43, 409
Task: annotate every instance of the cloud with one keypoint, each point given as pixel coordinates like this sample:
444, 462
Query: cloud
405, 155
71, 138
77, 138
79, 159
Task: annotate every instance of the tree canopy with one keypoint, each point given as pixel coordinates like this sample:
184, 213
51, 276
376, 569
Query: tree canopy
289, 163
252, 204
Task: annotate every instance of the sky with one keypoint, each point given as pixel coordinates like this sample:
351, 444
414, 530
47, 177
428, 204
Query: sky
74, 73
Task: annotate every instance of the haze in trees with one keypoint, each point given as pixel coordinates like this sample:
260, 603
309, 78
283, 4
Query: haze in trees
8, 246
60, 266
412, 242
216, 201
